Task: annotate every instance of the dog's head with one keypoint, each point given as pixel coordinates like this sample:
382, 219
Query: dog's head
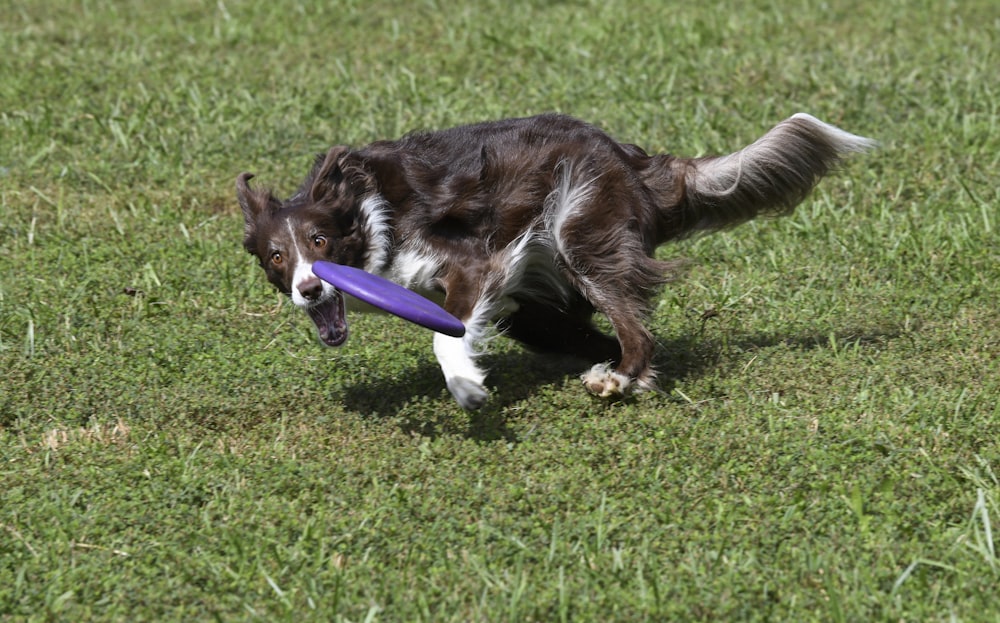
320, 222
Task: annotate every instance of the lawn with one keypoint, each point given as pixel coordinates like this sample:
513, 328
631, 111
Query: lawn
175, 445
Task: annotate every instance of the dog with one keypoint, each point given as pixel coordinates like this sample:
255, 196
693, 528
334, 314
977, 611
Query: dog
525, 227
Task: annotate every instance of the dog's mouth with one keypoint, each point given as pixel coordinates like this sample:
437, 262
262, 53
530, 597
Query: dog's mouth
330, 317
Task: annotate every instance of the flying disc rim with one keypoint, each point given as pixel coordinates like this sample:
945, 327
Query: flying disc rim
390, 297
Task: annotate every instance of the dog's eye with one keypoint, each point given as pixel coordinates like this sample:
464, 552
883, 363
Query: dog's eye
319, 240
276, 258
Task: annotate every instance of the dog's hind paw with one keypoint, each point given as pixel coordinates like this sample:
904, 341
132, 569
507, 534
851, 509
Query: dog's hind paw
468, 393
604, 382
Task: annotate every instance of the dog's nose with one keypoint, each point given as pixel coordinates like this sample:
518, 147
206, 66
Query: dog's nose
311, 289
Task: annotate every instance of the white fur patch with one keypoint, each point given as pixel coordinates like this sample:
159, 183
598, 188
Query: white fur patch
565, 201
845, 141
603, 381
302, 273
415, 269
375, 221
461, 374
456, 356
724, 175
532, 252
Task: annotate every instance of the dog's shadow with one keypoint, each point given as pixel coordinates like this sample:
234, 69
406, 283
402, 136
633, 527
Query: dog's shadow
419, 398
516, 374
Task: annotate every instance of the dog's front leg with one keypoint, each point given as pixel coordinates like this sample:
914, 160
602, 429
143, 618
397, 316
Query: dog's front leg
463, 377
469, 296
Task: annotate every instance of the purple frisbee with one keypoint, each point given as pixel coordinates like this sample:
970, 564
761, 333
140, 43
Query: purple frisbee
390, 297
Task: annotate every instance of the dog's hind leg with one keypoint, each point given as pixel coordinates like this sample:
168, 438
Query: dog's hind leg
623, 299
606, 259
637, 346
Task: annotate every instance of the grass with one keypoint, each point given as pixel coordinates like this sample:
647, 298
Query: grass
175, 446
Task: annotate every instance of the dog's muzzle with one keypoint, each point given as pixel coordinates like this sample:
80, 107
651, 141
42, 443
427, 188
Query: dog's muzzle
330, 317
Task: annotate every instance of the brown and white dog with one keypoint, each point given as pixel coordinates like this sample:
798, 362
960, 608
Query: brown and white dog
525, 226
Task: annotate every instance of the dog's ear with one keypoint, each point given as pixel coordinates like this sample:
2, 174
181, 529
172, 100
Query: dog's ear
330, 175
253, 203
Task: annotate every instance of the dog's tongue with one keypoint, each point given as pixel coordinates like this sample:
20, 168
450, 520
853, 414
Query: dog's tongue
330, 317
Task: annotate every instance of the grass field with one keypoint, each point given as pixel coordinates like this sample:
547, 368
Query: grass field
176, 446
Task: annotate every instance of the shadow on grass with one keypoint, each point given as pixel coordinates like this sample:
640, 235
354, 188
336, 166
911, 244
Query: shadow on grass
416, 396
517, 374
690, 356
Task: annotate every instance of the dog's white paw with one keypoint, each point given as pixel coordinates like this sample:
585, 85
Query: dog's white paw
468, 393
602, 381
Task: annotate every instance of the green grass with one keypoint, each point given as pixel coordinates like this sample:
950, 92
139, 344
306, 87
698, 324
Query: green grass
176, 446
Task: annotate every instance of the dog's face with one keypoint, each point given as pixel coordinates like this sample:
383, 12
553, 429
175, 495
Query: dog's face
288, 237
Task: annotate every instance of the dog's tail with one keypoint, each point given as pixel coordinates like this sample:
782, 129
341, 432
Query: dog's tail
768, 178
